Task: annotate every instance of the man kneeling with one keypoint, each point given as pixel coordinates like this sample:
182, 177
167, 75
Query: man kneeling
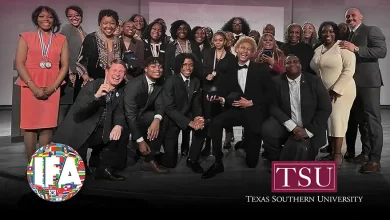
97, 120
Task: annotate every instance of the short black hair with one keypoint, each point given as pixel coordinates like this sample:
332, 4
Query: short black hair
56, 21
179, 60
333, 25
74, 8
176, 24
152, 60
108, 13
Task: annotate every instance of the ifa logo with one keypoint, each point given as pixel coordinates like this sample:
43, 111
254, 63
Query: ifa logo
308, 176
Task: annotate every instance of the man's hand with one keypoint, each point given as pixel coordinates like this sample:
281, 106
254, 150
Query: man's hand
103, 90
144, 148
347, 45
197, 123
243, 103
300, 133
154, 129
115, 133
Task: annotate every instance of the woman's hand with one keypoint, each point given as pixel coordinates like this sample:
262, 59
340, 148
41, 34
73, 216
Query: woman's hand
266, 59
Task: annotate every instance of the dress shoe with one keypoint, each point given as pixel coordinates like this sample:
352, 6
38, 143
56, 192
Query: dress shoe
239, 145
154, 167
108, 175
349, 155
195, 166
370, 168
216, 168
360, 159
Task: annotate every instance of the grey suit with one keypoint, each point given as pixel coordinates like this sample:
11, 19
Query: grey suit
368, 78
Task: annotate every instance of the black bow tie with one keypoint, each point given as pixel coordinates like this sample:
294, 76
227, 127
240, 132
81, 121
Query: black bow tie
242, 67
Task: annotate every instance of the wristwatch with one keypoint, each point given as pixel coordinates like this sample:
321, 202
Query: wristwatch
356, 50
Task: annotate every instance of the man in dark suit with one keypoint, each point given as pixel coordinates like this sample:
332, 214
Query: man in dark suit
248, 88
299, 115
369, 45
96, 120
144, 111
182, 103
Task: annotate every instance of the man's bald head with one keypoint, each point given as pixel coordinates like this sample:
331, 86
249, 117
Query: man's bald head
353, 17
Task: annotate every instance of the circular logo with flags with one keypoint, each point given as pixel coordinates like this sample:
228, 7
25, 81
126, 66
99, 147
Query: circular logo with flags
56, 172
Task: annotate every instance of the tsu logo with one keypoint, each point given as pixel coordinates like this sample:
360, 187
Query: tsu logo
313, 176
56, 172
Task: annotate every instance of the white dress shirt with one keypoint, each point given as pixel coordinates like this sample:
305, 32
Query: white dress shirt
241, 75
295, 104
150, 90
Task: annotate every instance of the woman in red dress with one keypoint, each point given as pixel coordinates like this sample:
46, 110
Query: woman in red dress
38, 58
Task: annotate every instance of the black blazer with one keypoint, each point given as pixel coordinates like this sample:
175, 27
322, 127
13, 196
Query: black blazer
221, 68
148, 50
181, 107
137, 101
316, 106
169, 61
88, 60
85, 113
259, 88
372, 46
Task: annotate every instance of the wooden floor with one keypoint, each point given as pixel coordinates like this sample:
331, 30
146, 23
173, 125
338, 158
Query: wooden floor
182, 186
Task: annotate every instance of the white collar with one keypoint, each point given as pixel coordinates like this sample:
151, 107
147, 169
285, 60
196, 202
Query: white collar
298, 79
184, 78
354, 29
149, 80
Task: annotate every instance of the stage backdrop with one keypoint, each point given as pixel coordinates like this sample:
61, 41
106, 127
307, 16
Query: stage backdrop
16, 18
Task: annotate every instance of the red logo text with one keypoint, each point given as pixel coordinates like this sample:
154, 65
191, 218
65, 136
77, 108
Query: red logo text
313, 176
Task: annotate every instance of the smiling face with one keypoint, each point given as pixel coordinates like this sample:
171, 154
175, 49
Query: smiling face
353, 18
293, 66
45, 20
74, 17
327, 35
115, 74
139, 22
129, 29
154, 71
182, 32
237, 26
268, 42
108, 26
244, 52
156, 32
200, 36
294, 34
308, 30
187, 67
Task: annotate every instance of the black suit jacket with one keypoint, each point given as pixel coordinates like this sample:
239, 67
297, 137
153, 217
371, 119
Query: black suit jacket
83, 117
259, 88
372, 46
169, 61
316, 106
137, 102
182, 106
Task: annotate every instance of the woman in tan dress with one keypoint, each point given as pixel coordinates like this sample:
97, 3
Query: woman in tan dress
336, 67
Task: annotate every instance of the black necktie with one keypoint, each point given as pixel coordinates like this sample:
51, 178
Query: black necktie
242, 67
350, 36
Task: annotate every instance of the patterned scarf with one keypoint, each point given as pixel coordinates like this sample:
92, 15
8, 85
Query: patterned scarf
104, 57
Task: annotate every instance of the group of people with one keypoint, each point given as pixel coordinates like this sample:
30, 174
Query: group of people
128, 82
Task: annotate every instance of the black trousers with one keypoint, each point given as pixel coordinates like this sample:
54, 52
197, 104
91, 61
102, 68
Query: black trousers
113, 154
171, 144
366, 115
230, 118
155, 145
281, 144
